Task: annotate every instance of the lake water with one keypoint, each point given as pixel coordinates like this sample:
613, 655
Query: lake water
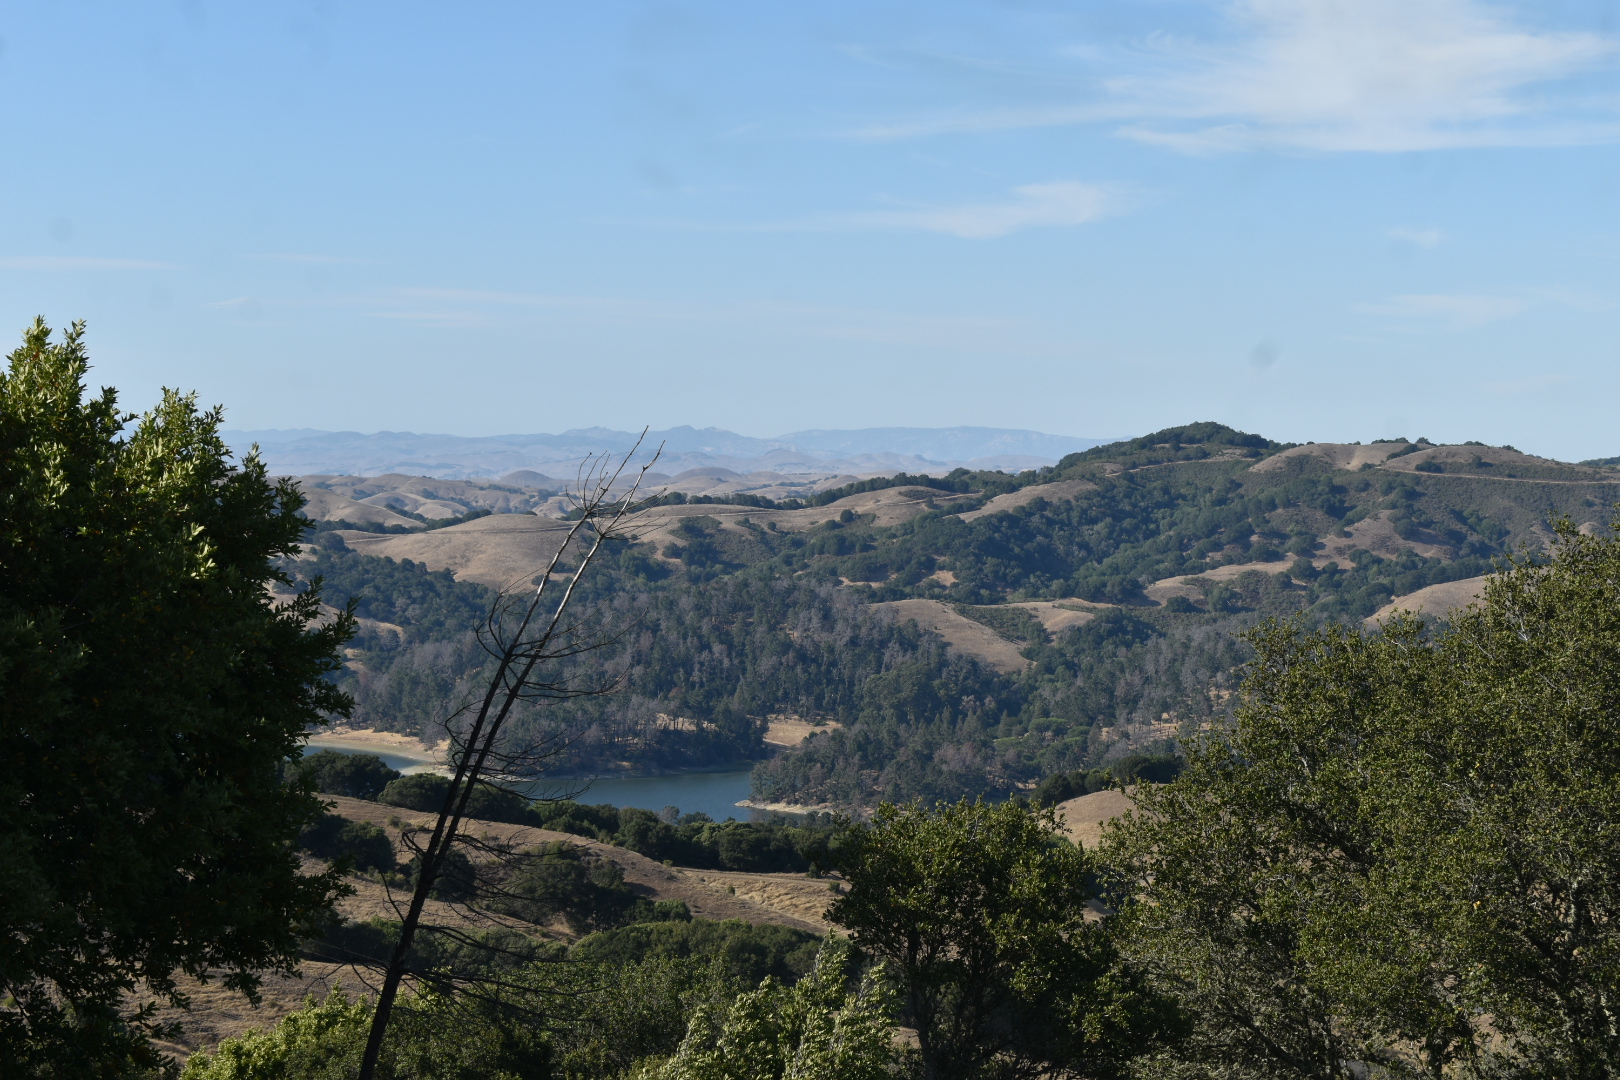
712, 793
715, 793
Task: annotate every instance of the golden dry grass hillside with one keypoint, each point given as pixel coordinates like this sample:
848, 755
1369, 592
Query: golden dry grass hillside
1083, 818
1435, 601
961, 633
1056, 492
498, 551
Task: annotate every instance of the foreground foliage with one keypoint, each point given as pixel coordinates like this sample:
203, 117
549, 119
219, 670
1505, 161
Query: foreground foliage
151, 693
981, 911
1402, 850
815, 1030
437, 1038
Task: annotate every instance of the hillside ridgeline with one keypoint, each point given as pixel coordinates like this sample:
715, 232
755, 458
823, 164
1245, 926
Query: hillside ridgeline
966, 634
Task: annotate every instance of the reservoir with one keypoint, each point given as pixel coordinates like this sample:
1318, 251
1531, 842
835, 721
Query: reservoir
715, 794
712, 793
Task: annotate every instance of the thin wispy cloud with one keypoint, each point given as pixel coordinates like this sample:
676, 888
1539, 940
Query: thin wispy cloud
1428, 239
1457, 309
1467, 310
1333, 76
1027, 207
79, 262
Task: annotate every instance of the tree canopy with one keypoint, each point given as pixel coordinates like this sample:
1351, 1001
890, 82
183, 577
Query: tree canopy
981, 911
151, 696
1401, 851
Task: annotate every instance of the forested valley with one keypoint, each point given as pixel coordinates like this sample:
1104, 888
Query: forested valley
734, 621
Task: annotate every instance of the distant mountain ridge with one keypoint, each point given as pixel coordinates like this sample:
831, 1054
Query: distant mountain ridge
308, 451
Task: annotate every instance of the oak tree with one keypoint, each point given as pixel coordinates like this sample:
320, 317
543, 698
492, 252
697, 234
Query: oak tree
152, 694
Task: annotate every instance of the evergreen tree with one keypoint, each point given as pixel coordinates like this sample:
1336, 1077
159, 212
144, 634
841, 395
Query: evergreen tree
981, 911
1401, 851
151, 696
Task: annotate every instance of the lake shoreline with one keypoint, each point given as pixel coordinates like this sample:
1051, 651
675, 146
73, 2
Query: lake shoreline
788, 808
370, 740
393, 744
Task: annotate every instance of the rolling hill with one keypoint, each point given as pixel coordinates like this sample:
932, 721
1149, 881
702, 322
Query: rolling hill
968, 633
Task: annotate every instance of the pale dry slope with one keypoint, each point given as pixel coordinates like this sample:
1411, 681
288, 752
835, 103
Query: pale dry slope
1063, 489
1374, 534
651, 879
217, 1013
372, 741
1058, 615
790, 731
1339, 455
430, 496
1161, 591
1462, 458
1083, 818
788, 896
1377, 535
511, 547
1435, 601
961, 633
889, 506
322, 505
498, 551
787, 899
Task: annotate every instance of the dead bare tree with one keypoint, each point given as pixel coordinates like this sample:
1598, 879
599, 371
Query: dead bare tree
528, 637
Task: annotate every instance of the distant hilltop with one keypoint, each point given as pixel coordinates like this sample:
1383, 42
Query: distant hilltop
806, 456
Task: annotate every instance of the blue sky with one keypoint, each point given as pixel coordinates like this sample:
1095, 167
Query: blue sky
1317, 219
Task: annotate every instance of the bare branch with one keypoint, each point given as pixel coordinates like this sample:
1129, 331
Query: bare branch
523, 637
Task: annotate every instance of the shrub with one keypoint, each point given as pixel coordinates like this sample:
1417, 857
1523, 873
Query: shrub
355, 776
671, 911
564, 879
436, 1038
317, 1042
816, 1028
425, 792
360, 844
749, 953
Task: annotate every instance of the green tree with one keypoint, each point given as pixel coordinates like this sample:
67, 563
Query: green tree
561, 878
1255, 894
982, 912
1401, 851
360, 844
357, 776
630, 1013
435, 1037
151, 697
815, 1030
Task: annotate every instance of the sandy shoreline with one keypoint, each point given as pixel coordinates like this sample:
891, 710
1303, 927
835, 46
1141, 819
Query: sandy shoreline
392, 743
787, 808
